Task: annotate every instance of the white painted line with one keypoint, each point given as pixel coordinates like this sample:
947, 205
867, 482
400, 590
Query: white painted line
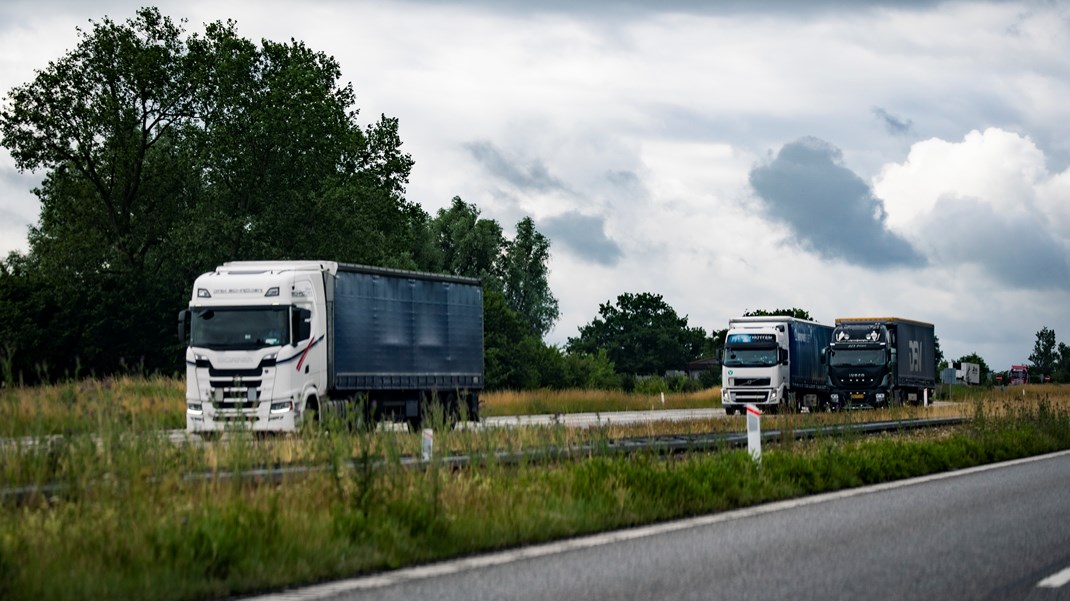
1056, 580
506, 557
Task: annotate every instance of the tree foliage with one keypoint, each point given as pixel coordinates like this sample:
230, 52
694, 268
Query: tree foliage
524, 276
641, 334
792, 312
1044, 356
467, 244
165, 154
1062, 365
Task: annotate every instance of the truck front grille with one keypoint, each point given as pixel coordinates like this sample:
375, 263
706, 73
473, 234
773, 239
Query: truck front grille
236, 405
750, 381
243, 395
749, 396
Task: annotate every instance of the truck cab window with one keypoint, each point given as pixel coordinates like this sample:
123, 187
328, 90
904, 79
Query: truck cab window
238, 328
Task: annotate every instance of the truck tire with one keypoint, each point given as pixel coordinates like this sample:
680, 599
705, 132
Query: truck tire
470, 407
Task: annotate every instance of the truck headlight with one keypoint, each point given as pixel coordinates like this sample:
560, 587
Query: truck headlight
880, 397
194, 408
835, 397
282, 407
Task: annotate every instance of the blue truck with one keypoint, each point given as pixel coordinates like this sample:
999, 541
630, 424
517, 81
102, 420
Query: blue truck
774, 363
879, 362
273, 343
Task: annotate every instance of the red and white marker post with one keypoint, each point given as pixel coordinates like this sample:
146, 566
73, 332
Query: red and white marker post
754, 433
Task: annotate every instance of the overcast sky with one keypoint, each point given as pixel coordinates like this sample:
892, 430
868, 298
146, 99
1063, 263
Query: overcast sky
898, 158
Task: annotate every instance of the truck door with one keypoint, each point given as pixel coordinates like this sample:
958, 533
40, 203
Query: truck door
313, 362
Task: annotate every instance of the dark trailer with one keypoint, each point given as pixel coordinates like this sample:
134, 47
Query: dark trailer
400, 339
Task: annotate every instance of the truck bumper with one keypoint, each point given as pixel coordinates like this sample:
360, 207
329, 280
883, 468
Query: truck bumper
859, 399
254, 416
735, 400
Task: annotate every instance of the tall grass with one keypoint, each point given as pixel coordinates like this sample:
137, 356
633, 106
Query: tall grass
128, 524
77, 406
549, 402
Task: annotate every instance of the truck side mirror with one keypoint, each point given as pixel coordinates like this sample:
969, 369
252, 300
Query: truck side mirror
783, 353
183, 325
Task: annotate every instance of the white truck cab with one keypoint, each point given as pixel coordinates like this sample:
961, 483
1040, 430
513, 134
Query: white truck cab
257, 345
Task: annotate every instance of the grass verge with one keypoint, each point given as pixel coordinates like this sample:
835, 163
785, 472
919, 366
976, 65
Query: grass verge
129, 526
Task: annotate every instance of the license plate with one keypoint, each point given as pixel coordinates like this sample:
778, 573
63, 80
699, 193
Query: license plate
858, 395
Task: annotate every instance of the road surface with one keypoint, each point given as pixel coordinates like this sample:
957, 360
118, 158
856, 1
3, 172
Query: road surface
996, 532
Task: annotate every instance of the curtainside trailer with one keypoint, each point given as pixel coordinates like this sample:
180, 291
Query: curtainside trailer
272, 343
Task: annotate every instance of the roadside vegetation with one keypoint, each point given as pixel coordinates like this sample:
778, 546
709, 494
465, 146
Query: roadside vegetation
158, 402
128, 521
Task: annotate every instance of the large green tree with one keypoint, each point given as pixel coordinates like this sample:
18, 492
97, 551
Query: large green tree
1044, 355
164, 154
641, 334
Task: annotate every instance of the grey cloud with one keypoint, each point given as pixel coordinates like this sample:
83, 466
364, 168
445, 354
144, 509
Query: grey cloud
627, 185
892, 123
585, 236
1016, 249
532, 176
828, 208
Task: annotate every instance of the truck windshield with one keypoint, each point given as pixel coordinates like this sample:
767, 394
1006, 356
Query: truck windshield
745, 357
239, 328
857, 358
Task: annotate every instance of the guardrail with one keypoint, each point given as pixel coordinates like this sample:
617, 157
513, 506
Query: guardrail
667, 444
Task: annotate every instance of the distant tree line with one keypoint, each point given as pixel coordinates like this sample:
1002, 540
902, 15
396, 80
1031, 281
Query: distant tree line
1049, 361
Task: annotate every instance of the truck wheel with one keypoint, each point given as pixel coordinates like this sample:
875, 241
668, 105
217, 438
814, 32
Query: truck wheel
470, 407
312, 411
729, 411
452, 411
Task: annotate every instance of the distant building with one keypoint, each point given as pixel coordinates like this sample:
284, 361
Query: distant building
696, 367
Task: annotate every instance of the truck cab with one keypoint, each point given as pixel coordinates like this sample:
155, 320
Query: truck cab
257, 346
881, 361
861, 362
754, 366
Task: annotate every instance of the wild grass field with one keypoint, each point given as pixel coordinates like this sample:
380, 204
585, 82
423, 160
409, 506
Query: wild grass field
129, 522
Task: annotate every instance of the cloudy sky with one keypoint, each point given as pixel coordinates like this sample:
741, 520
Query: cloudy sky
896, 158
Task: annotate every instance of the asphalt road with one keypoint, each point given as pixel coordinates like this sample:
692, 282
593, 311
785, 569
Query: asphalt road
997, 532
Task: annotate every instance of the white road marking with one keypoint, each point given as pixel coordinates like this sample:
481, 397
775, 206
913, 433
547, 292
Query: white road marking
1056, 580
456, 566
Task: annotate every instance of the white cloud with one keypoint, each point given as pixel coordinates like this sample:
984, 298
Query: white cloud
1001, 168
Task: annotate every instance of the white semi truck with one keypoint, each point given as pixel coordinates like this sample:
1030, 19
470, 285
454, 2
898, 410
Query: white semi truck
774, 362
271, 343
